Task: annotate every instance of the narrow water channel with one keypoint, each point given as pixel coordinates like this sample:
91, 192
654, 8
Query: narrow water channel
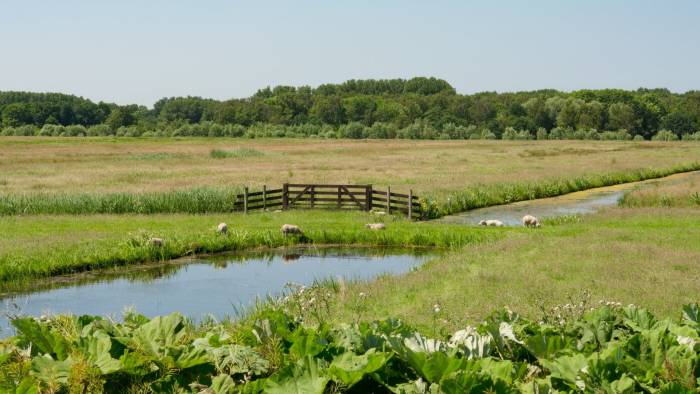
583, 202
207, 286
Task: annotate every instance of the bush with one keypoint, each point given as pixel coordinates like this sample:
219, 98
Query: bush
511, 134
665, 135
75, 131
21, 131
542, 134
353, 130
100, 130
51, 130
692, 137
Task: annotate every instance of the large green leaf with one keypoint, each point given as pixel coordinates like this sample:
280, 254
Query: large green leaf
691, 315
306, 343
638, 318
42, 338
28, 385
49, 370
96, 349
305, 377
222, 384
350, 368
567, 369
545, 346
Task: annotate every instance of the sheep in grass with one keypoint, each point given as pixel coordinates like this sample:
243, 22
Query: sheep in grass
157, 242
530, 221
375, 226
290, 229
222, 228
491, 222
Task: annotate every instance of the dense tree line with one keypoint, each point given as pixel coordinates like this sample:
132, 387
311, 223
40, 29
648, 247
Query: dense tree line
395, 108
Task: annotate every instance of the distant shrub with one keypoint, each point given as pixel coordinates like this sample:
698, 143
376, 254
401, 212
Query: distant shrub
100, 130
665, 135
20, 131
51, 130
511, 134
638, 137
75, 131
692, 137
354, 130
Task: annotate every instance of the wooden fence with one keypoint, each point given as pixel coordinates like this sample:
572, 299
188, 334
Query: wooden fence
312, 196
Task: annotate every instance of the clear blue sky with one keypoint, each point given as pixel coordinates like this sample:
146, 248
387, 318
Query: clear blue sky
131, 51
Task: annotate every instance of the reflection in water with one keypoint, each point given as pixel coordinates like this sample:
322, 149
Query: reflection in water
196, 287
290, 257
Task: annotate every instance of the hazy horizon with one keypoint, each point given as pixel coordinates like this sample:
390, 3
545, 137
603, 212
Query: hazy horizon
138, 53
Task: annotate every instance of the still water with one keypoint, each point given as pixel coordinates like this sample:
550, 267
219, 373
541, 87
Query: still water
198, 287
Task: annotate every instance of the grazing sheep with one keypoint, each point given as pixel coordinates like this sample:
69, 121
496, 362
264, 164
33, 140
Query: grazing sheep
290, 229
157, 242
375, 226
530, 221
491, 222
222, 228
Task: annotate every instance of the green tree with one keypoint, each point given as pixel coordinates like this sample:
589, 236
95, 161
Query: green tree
17, 114
120, 116
621, 117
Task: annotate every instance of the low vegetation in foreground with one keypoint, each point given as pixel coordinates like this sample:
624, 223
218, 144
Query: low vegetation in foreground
607, 349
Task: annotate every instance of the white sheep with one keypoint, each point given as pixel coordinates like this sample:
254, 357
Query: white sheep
530, 221
375, 226
157, 242
222, 228
290, 229
491, 222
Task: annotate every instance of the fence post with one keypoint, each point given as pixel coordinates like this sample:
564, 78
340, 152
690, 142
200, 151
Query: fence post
368, 198
410, 204
264, 197
285, 196
245, 199
388, 198
340, 196
313, 196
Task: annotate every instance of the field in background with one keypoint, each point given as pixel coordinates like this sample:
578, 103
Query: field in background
135, 165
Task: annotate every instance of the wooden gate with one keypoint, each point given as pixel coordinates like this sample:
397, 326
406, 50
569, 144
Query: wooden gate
314, 196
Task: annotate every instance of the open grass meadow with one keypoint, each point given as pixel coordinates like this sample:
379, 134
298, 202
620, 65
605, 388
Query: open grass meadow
147, 176
544, 308
52, 165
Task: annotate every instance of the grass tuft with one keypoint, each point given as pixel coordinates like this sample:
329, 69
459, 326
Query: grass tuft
237, 153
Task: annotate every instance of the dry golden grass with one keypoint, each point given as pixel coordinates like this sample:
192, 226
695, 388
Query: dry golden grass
103, 164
